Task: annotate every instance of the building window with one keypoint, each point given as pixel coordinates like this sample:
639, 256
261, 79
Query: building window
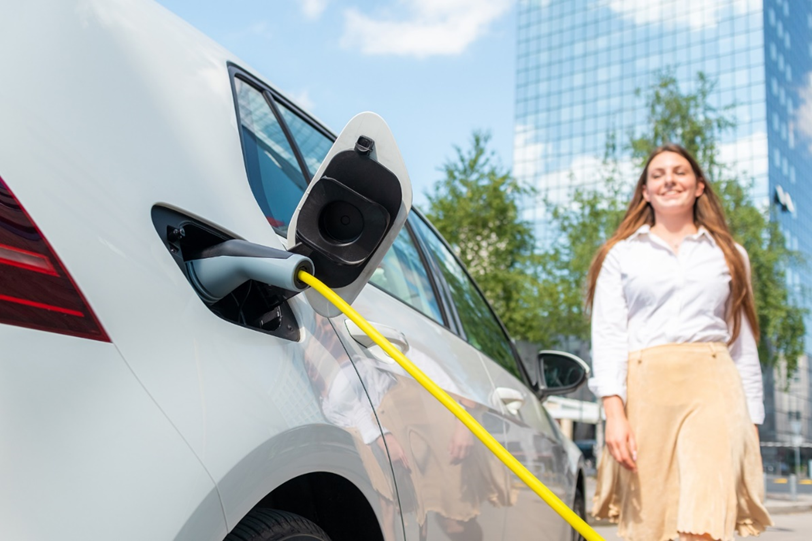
777, 157
788, 73
774, 83
771, 16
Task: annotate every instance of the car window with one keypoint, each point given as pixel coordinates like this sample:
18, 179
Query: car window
482, 329
273, 170
403, 275
313, 144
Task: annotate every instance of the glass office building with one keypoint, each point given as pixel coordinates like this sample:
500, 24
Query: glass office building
581, 62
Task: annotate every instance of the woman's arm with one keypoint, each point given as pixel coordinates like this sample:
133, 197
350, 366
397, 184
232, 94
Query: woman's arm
744, 353
610, 352
610, 344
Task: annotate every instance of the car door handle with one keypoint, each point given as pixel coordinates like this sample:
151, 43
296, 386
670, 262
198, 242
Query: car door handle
512, 399
397, 338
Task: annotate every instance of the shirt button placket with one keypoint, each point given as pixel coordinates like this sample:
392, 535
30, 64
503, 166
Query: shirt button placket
680, 286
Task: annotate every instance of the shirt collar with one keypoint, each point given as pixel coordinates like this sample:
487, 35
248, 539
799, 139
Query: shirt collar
701, 233
642, 230
704, 233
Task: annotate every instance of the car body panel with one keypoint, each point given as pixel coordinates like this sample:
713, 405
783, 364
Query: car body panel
185, 421
531, 437
151, 120
82, 441
424, 428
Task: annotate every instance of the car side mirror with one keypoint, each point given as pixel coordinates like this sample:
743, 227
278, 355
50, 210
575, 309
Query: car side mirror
560, 373
353, 210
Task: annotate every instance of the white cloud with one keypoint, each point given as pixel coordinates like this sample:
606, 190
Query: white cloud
528, 153
422, 28
697, 14
302, 99
803, 115
746, 157
312, 9
585, 170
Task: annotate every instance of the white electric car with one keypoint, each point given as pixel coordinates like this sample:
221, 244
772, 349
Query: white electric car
134, 407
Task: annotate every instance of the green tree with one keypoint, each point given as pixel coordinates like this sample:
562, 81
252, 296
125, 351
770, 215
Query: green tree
577, 229
592, 215
476, 207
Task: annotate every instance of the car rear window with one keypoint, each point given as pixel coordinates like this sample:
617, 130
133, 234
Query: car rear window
402, 274
313, 144
274, 173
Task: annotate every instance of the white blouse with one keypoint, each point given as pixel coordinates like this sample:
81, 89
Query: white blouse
647, 295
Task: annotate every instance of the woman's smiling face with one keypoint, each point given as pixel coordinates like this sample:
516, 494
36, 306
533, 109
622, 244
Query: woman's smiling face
671, 185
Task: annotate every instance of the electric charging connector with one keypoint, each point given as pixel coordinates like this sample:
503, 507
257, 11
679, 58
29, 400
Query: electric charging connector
220, 269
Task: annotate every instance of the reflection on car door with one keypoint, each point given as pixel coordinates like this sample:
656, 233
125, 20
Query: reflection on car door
528, 433
449, 485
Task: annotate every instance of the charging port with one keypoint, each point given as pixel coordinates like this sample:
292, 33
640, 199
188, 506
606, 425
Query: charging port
254, 305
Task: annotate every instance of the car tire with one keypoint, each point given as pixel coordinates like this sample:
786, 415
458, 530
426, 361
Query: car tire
579, 508
271, 525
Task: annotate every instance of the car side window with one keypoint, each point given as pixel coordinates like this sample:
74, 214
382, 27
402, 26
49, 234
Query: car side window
482, 329
312, 143
273, 171
402, 274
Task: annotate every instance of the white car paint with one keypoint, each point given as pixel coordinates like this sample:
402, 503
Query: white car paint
183, 422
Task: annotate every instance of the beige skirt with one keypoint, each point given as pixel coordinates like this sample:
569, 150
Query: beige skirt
698, 457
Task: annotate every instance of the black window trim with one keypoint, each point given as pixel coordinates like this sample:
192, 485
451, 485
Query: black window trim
271, 98
443, 284
441, 304
438, 282
295, 109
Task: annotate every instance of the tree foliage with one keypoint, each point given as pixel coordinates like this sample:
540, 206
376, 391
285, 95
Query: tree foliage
688, 119
540, 296
579, 227
476, 207
586, 221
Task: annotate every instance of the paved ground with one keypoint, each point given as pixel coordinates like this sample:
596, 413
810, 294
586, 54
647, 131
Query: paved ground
787, 528
793, 520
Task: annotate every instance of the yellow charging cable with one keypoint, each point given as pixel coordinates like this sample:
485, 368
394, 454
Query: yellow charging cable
484, 436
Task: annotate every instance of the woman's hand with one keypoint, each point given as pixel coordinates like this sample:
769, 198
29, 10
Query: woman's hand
462, 440
619, 437
389, 443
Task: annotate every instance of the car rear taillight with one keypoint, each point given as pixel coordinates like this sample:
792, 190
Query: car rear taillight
35, 289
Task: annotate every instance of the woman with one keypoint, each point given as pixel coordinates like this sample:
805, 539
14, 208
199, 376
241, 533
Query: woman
676, 364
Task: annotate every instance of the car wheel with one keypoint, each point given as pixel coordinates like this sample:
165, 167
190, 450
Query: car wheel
271, 525
579, 507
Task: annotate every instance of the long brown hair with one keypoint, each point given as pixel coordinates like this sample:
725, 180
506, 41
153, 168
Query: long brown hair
707, 213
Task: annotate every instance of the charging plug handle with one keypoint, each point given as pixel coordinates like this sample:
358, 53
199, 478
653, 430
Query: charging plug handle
217, 271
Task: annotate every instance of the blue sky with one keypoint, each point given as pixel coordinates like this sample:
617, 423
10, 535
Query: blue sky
434, 69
